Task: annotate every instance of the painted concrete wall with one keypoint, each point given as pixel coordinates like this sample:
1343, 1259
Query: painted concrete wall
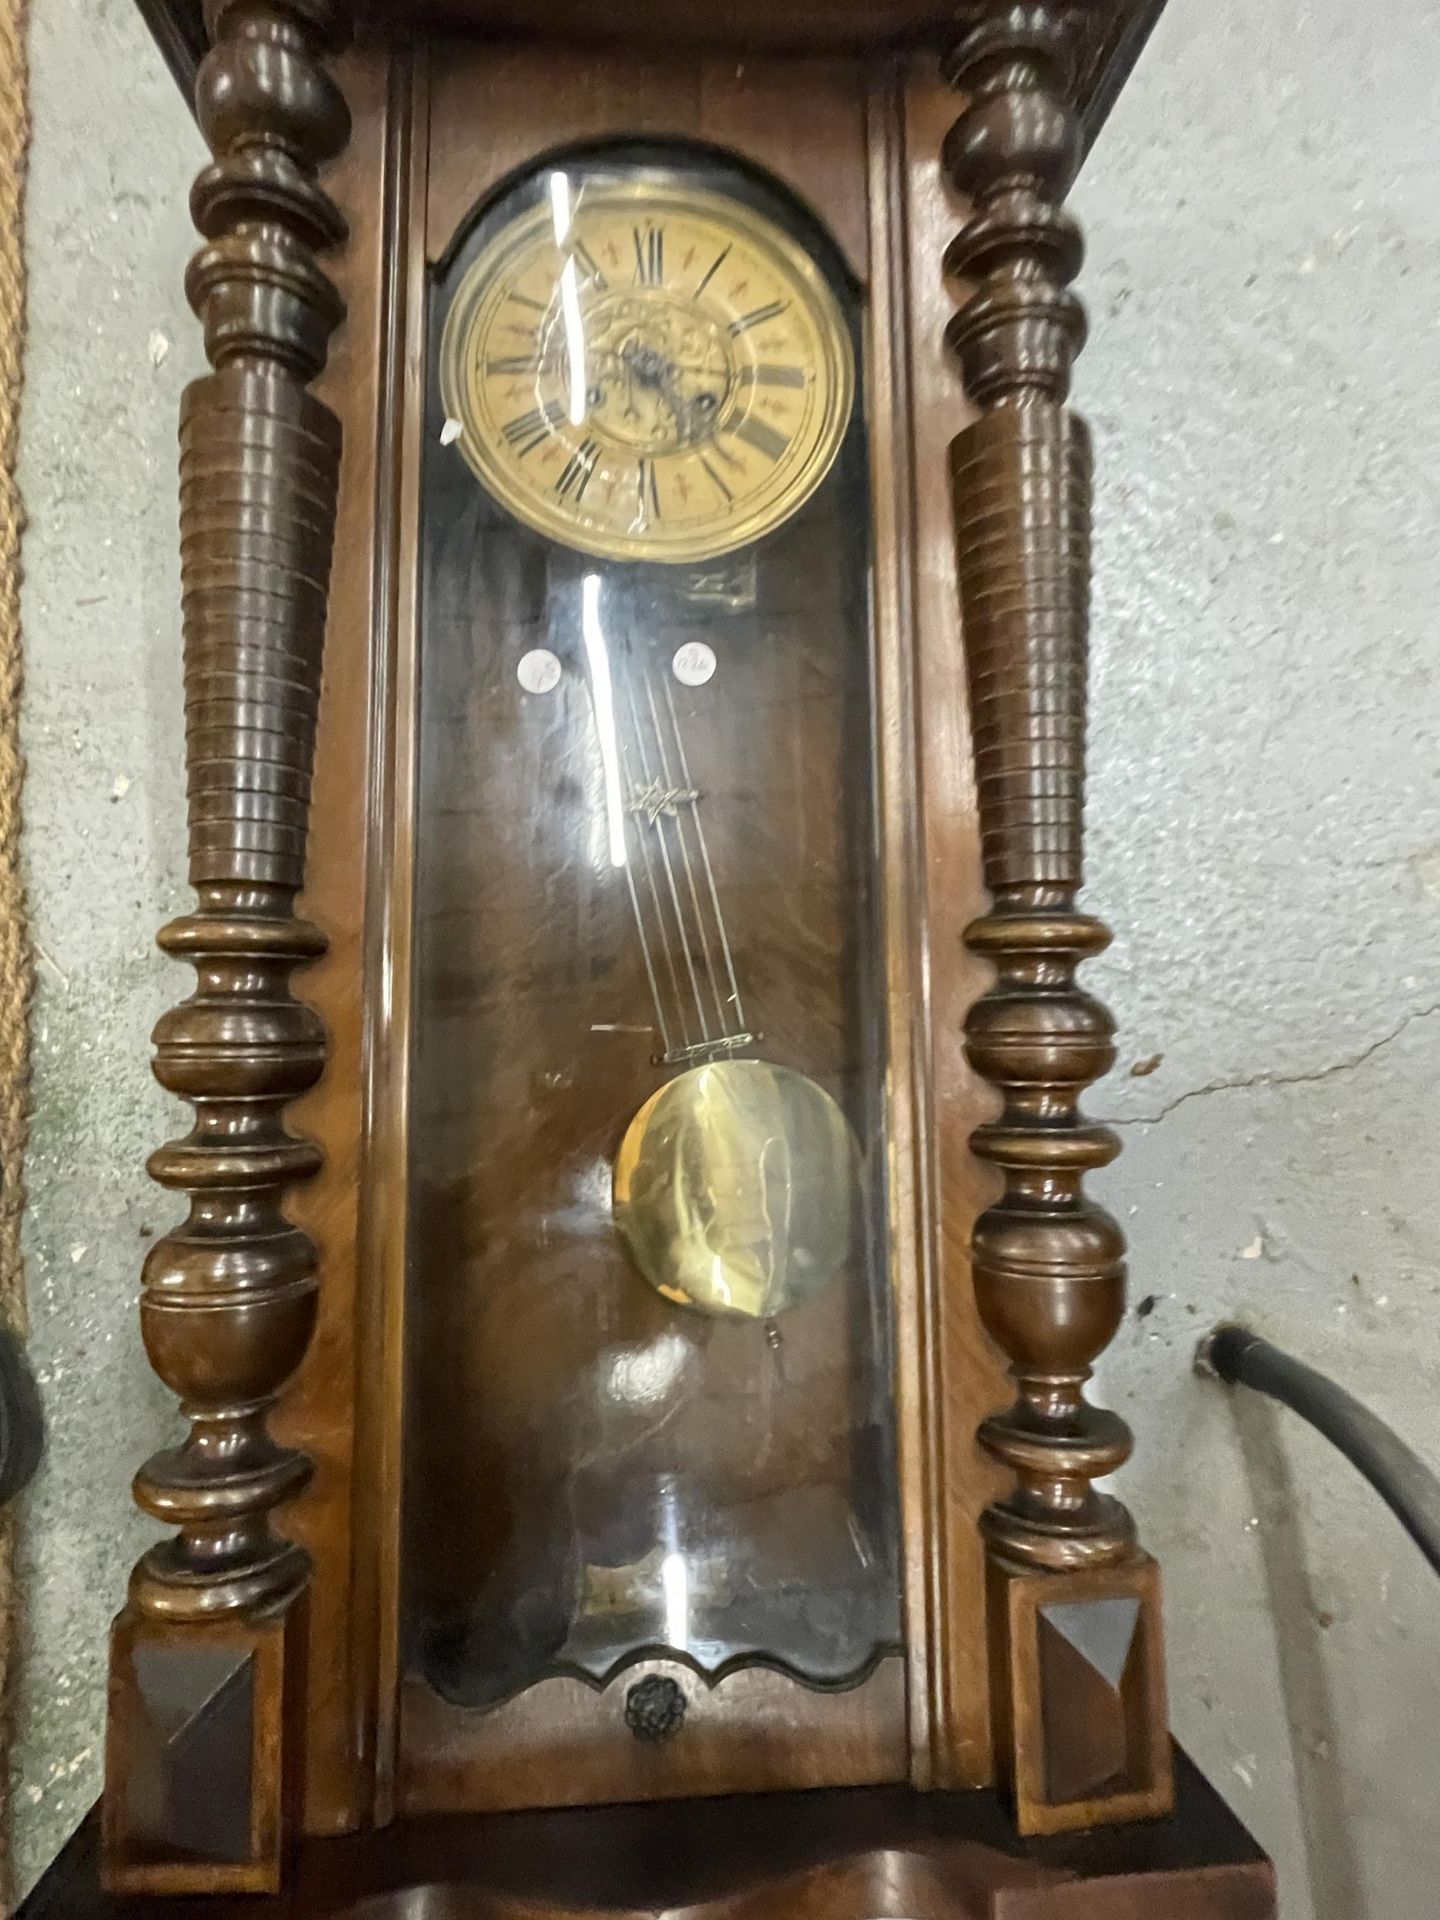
1264, 214
1264, 221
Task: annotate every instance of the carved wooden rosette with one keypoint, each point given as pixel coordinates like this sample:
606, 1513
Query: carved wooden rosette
1077, 1676
202, 1755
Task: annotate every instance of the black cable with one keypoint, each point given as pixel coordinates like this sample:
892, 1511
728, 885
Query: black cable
1398, 1475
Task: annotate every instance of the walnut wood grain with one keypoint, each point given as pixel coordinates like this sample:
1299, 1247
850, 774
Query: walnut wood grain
565, 1741
1049, 1264
947, 1366
1114, 31
498, 109
373, 856
229, 1297
323, 1412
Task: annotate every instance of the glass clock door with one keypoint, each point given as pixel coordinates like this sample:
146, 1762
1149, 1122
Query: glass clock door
648, 1368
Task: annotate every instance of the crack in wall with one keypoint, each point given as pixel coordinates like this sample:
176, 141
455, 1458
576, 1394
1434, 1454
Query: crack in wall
1275, 1079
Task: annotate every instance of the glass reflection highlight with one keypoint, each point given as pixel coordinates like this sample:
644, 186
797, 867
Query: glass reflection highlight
602, 693
561, 213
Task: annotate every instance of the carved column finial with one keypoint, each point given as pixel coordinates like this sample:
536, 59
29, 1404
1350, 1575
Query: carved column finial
230, 1295
1078, 1689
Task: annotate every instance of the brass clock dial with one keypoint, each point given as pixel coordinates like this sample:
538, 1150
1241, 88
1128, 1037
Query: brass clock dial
646, 370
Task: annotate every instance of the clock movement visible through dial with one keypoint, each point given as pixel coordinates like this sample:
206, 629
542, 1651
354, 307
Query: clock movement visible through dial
646, 369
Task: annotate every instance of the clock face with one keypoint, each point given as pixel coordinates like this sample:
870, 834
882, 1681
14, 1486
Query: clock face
646, 371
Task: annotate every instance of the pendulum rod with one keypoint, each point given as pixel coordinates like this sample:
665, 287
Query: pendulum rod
736, 1010
661, 1025
662, 800
650, 801
666, 949
685, 807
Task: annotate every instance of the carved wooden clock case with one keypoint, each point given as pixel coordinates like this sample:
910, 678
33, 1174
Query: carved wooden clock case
634, 534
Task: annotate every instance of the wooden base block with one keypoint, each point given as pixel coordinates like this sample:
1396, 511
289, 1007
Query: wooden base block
200, 1770
1078, 1667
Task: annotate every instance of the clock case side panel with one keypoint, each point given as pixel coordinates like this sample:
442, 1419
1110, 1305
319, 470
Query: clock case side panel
344, 1406
948, 1369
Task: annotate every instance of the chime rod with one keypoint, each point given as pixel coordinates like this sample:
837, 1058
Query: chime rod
1398, 1474
672, 886
737, 1018
689, 804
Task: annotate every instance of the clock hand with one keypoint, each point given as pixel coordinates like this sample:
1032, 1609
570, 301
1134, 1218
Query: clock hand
650, 368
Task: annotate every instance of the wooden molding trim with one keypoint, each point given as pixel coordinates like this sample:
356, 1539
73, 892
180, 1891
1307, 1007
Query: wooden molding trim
1115, 31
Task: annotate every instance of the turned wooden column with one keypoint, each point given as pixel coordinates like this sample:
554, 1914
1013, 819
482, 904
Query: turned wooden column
202, 1750
1077, 1676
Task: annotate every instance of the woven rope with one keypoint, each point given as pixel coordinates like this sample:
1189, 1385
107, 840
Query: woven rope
16, 964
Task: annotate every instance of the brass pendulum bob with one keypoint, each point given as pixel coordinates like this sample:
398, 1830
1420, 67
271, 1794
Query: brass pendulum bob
734, 1189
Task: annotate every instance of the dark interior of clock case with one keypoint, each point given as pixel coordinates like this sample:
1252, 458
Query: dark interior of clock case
592, 1471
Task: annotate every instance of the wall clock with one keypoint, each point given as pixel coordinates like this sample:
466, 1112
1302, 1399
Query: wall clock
638, 1291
